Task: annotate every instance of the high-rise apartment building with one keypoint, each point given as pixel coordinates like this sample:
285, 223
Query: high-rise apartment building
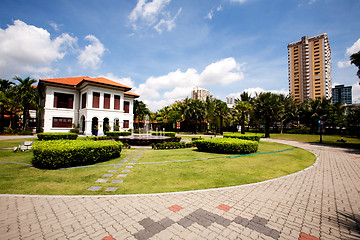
199, 93
309, 63
342, 94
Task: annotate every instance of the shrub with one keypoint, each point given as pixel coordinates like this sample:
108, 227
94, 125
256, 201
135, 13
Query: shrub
251, 137
227, 145
168, 134
69, 153
56, 136
171, 145
116, 134
96, 138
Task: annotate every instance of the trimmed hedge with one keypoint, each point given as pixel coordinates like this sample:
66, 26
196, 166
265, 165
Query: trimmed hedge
168, 134
118, 133
171, 145
56, 136
251, 137
227, 145
69, 153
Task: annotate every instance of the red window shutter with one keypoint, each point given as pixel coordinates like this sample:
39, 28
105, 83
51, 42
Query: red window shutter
55, 100
107, 101
117, 102
70, 101
126, 124
83, 100
96, 100
126, 107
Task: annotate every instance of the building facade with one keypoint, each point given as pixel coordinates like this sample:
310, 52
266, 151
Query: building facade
199, 93
92, 104
309, 66
342, 94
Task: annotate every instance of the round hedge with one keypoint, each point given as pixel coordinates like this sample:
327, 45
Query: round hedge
56, 136
56, 154
251, 137
227, 145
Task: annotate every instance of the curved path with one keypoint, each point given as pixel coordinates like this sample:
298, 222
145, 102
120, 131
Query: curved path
321, 202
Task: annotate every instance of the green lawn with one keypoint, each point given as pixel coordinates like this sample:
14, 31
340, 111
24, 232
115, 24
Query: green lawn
351, 142
216, 171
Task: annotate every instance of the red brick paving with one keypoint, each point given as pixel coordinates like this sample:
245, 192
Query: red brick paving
304, 236
223, 207
108, 238
175, 208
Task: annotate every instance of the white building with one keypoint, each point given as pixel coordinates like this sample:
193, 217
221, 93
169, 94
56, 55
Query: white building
199, 93
92, 104
230, 101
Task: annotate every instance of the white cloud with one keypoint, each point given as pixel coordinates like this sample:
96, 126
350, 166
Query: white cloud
210, 15
153, 14
356, 93
55, 26
354, 48
26, 49
90, 57
223, 72
349, 51
167, 24
125, 81
177, 85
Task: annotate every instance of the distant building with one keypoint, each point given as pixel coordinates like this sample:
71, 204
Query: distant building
199, 93
230, 101
309, 64
342, 94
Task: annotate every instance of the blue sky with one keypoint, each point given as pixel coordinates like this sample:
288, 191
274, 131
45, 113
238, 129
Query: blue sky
164, 48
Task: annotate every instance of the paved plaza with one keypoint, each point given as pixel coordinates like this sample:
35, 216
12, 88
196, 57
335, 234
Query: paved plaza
321, 202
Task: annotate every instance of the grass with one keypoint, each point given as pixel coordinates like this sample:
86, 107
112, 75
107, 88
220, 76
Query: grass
351, 142
10, 143
216, 171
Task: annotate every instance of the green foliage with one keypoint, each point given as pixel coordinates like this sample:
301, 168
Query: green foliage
96, 138
251, 137
116, 134
69, 153
227, 145
168, 134
56, 136
171, 145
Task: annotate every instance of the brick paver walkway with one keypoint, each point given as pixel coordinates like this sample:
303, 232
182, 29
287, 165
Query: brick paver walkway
322, 202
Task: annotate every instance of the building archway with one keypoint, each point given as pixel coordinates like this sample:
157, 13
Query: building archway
94, 126
106, 126
116, 124
82, 124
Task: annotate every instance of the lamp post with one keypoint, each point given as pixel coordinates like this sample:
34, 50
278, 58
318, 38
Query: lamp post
321, 123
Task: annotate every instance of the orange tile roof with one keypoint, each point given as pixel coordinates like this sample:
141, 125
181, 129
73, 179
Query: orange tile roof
132, 94
77, 81
72, 81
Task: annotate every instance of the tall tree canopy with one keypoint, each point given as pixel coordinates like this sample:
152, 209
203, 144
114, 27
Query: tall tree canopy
355, 59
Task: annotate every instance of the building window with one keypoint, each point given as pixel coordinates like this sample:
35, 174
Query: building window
107, 101
59, 122
83, 100
126, 107
96, 100
126, 124
117, 102
63, 100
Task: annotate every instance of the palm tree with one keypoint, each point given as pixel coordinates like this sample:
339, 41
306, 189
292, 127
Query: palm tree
242, 109
140, 111
266, 108
27, 96
221, 111
6, 101
355, 59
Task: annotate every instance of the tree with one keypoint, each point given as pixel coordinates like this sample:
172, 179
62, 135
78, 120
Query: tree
221, 111
7, 103
355, 59
266, 108
140, 110
26, 95
242, 109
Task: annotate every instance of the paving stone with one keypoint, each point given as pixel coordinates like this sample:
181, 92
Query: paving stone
129, 167
121, 175
125, 170
111, 189
94, 188
107, 175
117, 181
102, 180
112, 171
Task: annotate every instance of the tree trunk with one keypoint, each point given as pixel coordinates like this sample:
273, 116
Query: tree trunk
267, 129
